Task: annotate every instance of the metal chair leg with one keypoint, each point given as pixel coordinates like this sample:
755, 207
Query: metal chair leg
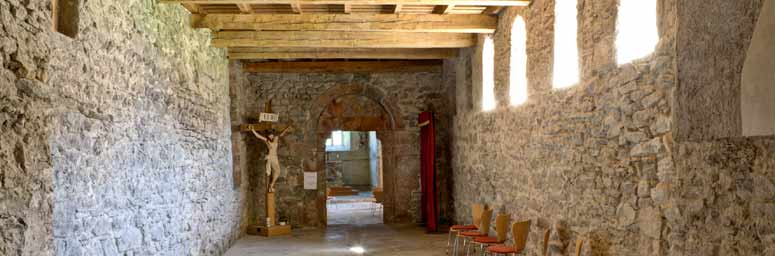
449, 240
465, 242
473, 247
454, 247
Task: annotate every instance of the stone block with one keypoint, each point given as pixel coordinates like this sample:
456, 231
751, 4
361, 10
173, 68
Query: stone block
652, 147
626, 215
662, 125
635, 136
660, 193
644, 188
643, 118
628, 74
109, 247
129, 238
33, 88
650, 222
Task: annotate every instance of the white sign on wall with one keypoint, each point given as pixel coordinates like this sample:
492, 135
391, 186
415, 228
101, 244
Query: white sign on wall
310, 180
268, 117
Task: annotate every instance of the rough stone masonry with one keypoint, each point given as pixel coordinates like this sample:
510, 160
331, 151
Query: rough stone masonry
318, 103
600, 161
115, 142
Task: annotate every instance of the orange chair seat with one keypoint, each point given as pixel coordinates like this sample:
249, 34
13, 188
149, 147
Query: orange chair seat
501, 249
463, 227
487, 240
472, 233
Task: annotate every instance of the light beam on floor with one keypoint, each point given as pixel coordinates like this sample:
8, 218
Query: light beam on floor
357, 249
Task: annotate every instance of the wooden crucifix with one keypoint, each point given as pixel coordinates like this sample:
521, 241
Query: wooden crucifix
264, 130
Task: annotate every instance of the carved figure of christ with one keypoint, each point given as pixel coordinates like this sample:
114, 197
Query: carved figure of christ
272, 160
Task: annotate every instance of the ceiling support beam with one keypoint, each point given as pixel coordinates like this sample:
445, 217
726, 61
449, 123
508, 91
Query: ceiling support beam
192, 8
459, 23
492, 10
443, 9
397, 8
312, 53
245, 8
296, 7
342, 39
343, 66
361, 2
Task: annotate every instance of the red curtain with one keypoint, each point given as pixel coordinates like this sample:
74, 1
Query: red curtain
428, 171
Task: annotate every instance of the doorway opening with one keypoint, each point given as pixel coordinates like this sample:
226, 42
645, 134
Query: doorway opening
354, 178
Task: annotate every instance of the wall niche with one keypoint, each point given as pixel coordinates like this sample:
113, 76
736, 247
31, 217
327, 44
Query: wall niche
65, 17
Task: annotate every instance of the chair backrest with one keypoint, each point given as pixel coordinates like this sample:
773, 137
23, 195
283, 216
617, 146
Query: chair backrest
502, 226
486, 220
476, 213
379, 196
519, 231
546, 241
579, 243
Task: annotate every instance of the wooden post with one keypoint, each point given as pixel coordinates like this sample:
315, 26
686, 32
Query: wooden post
271, 227
271, 211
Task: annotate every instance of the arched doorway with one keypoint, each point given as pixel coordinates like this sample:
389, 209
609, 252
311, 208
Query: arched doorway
356, 107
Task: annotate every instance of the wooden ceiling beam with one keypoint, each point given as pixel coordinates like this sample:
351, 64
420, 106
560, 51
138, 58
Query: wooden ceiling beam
343, 66
341, 39
462, 23
361, 2
312, 53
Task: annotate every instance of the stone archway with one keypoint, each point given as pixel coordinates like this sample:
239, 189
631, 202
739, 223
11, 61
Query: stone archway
355, 107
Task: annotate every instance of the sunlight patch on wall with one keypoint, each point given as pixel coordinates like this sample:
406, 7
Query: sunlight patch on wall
637, 35
518, 72
566, 52
488, 74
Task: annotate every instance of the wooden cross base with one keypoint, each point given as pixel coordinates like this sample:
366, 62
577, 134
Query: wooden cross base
271, 213
269, 231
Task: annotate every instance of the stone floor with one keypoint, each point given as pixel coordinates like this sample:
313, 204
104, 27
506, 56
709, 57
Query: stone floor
356, 210
375, 239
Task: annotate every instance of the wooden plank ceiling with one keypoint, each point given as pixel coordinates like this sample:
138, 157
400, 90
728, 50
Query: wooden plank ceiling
344, 29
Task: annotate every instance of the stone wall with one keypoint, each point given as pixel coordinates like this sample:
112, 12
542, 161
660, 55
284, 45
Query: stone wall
722, 192
318, 103
598, 160
711, 53
117, 141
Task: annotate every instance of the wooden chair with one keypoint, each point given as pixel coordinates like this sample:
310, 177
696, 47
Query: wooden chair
519, 231
579, 243
501, 230
483, 231
546, 241
476, 213
330, 198
379, 198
